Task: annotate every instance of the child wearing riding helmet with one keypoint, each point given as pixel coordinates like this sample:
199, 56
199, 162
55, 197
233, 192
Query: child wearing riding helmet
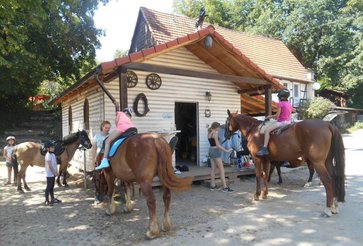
283, 117
123, 123
8, 155
50, 172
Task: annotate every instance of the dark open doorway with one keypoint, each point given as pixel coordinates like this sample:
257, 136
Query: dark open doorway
186, 120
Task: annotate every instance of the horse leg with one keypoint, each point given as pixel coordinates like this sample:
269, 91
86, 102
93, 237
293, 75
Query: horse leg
328, 184
266, 170
21, 175
167, 199
278, 168
273, 165
128, 197
257, 162
153, 230
311, 174
25, 183
110, 205
65, 173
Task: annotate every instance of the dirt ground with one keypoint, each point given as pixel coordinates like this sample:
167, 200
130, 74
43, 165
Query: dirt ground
290, 216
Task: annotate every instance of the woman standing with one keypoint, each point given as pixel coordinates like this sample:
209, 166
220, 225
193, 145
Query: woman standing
215, 154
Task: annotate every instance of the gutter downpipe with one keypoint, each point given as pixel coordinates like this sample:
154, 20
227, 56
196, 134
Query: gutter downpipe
100, 83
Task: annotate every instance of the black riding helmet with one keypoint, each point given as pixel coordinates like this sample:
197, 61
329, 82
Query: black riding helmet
284, 93
49, 143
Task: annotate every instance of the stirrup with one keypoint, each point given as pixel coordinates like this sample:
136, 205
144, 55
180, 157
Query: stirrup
104, 164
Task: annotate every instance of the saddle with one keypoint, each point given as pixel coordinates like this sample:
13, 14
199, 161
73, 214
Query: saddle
118, 141
277, 131
58, 148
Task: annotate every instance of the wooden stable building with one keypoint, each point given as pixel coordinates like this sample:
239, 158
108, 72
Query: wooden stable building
177, 87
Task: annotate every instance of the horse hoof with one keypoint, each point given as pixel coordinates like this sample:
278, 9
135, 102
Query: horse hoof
27, 188
308, 184
151, 235
264, 197
66, 185
327, 212
21, 191
256, 197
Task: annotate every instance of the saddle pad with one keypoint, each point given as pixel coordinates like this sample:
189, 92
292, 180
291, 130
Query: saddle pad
115, 146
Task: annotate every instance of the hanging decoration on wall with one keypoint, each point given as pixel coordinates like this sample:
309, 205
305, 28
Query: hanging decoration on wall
153, 81
142, 97
131, 79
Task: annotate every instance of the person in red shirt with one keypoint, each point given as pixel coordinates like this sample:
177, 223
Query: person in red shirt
283, 117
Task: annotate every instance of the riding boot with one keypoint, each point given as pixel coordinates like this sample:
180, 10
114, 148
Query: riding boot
104, 164
263, 151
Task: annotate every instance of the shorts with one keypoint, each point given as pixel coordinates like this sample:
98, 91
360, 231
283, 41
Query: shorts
9, 164
215, 153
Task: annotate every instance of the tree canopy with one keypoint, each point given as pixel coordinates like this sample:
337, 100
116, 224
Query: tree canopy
41, 40
325, 35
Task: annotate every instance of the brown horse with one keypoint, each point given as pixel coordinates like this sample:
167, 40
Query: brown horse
139, 159
316, 141
28, 153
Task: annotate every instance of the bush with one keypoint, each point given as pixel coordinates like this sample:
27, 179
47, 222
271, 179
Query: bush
358, 125
316, 108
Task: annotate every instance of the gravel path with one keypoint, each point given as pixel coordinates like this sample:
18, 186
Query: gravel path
290, 216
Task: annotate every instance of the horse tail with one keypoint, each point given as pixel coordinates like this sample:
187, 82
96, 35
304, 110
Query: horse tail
338, 153
166, 171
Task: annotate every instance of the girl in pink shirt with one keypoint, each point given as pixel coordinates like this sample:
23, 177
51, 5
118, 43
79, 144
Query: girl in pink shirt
123, 123
283, 117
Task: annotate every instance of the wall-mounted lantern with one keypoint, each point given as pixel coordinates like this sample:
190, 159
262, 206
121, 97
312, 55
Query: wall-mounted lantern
208, 95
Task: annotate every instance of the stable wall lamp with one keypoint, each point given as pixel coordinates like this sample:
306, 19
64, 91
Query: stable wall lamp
208, 95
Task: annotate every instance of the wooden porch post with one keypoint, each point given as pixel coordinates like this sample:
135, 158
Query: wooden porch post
268, 100
123, 87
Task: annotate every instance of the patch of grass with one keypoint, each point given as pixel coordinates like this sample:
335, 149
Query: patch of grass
358, 125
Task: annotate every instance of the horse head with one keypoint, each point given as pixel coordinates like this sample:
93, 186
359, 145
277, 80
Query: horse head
84, 139
230, 126
241, 122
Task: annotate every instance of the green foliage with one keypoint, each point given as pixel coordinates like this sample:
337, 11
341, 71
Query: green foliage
358, 125
326, 36
317, 108
44, 40
120, 53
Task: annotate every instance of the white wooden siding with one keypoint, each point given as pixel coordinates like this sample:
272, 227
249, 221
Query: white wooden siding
179, 89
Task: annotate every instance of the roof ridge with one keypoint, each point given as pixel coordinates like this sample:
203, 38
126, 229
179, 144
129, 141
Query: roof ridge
215, 25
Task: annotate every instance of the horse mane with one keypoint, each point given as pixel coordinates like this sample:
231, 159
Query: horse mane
71, 138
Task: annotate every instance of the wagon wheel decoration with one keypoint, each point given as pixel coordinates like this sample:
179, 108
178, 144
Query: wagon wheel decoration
153, 81
131, 79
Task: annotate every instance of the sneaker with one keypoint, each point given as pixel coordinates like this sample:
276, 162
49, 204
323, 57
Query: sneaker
227, 189
262, 152
176, 171
104, 164
46, 203
55, 200
212, 188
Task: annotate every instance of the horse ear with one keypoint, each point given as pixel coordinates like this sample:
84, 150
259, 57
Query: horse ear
229, 113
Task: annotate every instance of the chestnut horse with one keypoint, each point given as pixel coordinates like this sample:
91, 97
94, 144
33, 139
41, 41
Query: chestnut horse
28, 153
139, 159
316, 141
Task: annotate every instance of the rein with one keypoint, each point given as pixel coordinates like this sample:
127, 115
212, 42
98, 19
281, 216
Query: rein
257, 123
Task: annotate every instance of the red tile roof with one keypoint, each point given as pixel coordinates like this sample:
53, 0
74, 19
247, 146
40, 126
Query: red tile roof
270, 54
